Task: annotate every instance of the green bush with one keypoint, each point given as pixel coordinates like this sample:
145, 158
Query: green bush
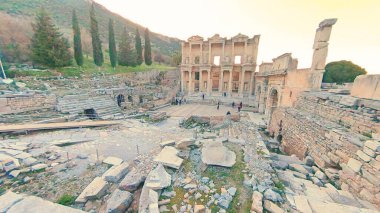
66, 200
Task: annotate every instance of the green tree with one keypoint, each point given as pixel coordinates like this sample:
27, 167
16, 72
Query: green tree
96, 42
138, 47
48, 46
342, 72
147, 48
176, 58
78, 54
112, 44
127, 57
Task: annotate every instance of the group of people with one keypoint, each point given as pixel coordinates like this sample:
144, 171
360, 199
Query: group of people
240, 106
178, 101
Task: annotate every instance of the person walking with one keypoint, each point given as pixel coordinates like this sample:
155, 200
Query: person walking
203, 96
218, 106
233, 104
241, 105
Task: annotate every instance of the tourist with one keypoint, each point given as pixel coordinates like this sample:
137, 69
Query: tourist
241, 104
218, 106
239, 108
233, 104
228, 113
180, 101
203, 96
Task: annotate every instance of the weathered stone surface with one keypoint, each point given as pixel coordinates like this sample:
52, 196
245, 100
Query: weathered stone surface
348, 101
257, 202
363, 156
32, 204
271, 207
298, 168
372, 144
168, 157
158, 178
309, 161
354, 164
132, 181
302, 204
320, 175
9, 199
114, 161
280, 165
199, 208
115, 173
184, 143
39, 167
369, 152
272, 196
119, 201
217, 154
167, 143
94, 190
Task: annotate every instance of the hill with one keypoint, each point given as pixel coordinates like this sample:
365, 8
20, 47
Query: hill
16, 17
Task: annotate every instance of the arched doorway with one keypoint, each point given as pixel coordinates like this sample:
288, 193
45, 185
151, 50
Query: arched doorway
273, 101
91, 113
120, 99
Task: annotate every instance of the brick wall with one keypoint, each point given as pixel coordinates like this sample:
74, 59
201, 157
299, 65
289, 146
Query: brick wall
336, 131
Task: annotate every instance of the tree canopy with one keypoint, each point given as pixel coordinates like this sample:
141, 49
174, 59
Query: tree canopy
138, 47
48, 46
342, 72
147, 48
96, 42
127, 56
78, 54
112, 44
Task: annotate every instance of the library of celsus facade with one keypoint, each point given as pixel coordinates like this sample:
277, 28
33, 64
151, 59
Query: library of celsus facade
219, 65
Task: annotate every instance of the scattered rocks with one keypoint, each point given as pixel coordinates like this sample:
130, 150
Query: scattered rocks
94, 190
132, 180
115, 173
158, 178
168, 157
114, 161
257, 202
167, 143
185, 143
272, 196
354, 164
309, 161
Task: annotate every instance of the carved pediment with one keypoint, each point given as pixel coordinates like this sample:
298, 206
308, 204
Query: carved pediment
240, 37
216, 38
195, 38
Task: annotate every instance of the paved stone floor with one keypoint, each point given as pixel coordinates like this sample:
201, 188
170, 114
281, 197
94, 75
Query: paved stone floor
187, 110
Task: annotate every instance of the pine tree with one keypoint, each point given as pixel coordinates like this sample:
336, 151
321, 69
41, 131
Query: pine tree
78, 54
127, 56
112, 44
147, 48
48, 46
138, 47
96, 42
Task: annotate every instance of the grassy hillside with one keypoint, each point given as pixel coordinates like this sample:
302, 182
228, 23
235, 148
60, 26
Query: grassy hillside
17, 15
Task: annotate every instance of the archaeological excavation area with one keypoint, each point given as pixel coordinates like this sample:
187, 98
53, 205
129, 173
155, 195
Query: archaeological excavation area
213, 136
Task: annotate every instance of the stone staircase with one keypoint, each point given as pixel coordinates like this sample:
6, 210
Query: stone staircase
104, 106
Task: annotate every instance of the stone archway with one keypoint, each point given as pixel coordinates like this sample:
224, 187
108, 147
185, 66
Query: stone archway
273, 100
90, 113
120, 99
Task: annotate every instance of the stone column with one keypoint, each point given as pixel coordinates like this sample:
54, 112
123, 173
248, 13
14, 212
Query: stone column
251, 84
230, 83
190, 83
242, 81
182, 81
209, 83
200, 81
221, 81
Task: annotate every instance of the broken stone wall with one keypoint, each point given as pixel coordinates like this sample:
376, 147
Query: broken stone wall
17, 104
337, 136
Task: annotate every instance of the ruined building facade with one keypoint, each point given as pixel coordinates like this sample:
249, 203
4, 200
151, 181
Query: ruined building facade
219, 64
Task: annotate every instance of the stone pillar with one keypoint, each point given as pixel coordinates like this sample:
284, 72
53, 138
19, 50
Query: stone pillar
230, 83
200, 81
221, 81
251, 83
241, 88
182, 81
209, 83
190, 83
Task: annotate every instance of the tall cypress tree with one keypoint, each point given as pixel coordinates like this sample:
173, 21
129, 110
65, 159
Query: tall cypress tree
138, 47
96, 42
112, 44
127, 56
78, 54
147, 48
48, 46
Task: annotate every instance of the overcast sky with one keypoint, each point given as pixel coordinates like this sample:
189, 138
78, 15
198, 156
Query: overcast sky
284, 25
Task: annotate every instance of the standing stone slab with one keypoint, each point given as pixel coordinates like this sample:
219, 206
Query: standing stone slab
94, 190
158, 178
168, 157
115, 173
132, 181
9, 199
119, 201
